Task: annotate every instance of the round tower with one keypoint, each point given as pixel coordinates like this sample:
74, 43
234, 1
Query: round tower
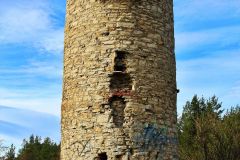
119, 91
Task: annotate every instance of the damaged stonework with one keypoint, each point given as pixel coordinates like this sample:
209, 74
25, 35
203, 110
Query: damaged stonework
118, 105
120, 81
119, 88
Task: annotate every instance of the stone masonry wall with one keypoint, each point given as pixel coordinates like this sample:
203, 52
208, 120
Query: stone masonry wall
119, 92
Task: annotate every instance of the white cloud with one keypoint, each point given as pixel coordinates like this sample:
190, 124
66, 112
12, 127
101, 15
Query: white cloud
45, 99
217, 37
30, 24
208, 49
17, 124
235, 90
36, 86
218, 73
45, 69
222, 61
19, 24
53, 42
44, 105
42, 68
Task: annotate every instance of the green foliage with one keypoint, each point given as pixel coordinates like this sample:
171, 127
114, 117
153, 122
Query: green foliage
10, 154
206, 135
35, 149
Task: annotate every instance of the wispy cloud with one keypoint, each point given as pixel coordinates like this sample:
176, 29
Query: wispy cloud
7, 127
30, 78
30, 23
17, 124
208, 39
35, 86
35, 68
53, 42
235, 91
204, 26
45, 99
216, 74
208, 49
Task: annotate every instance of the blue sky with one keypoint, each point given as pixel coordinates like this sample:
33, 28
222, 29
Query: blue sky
207, 34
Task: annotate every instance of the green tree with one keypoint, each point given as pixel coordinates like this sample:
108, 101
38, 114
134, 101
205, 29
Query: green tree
49, 150
226, 135
35, 149
190, 126
10, 154
206, 135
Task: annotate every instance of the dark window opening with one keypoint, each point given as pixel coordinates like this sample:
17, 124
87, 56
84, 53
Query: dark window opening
120, 81
102, 156
120, 61
117, 105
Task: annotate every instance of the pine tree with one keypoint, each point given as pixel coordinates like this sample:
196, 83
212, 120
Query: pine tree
194, 128
10, 155
204, 134
36, 149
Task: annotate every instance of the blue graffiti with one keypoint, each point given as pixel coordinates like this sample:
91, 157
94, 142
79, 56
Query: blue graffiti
153, 137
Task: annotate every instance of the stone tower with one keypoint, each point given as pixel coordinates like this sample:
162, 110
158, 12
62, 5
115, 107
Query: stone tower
119, 92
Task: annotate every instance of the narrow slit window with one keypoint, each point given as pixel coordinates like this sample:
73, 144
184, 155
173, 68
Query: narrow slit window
120, 61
